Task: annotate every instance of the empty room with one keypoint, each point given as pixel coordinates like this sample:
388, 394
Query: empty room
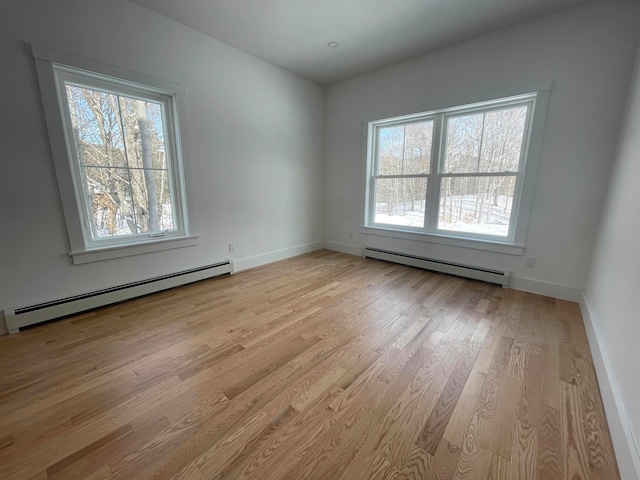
333, 240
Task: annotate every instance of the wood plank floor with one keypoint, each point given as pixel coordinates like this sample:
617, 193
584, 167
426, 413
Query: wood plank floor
325, 366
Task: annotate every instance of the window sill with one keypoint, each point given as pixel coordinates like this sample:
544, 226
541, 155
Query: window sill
486, 245
118, 251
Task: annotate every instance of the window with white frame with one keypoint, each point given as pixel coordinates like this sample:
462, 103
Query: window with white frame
457, 172
122, 158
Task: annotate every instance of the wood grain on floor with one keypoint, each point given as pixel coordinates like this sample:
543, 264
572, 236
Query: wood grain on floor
324, 366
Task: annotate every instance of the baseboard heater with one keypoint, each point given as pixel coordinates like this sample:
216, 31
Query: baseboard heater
25, 316
467, 271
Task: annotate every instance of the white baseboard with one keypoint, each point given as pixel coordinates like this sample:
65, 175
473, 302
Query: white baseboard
270, 257
623, 443
555, 290
357, 250
240, 264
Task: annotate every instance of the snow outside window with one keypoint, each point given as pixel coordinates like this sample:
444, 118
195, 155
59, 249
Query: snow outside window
116, 144
458, 172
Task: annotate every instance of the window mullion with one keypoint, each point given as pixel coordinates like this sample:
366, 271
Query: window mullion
433, 188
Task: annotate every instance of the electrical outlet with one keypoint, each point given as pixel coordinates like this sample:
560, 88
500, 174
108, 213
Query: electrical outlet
232, 247
530, 262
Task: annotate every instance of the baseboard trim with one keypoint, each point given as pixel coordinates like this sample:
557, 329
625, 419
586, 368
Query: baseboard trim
270, 257
555, 290
357, 250
625, 448
240, 264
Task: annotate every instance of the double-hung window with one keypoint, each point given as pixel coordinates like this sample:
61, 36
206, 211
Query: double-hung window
456, 173
119, 163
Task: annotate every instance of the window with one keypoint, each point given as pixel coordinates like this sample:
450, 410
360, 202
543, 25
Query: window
457, 172
121, 160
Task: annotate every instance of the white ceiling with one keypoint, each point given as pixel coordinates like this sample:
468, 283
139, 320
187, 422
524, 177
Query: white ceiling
371, 33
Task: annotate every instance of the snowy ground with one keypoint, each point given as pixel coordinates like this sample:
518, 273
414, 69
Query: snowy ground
495, 221
122, 227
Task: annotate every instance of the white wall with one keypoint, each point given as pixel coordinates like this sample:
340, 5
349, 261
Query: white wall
612, 295
255, 144
587, 52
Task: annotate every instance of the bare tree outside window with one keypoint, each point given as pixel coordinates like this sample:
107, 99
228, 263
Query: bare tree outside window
120, 144
470, 173
404, 153
483, 143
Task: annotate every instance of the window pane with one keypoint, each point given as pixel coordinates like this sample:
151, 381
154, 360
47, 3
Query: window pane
118, 202
485, 142
405, 149
97, 129
502, 140
165, 206
476, 204
400, 201
464, 135
120, 143
150, 114
109, 201
163, 213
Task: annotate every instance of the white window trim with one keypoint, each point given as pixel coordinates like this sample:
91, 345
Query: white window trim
79, 251
476, 244
117, 251
517, 243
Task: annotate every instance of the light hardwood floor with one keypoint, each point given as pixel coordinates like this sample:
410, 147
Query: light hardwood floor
325, 366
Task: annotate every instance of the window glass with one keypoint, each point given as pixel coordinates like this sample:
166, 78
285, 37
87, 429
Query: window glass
471, 189
405, 149
121, 155
476, 204
401, 201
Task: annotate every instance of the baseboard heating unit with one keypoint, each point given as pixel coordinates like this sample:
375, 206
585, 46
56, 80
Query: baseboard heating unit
25, 316
467, 271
